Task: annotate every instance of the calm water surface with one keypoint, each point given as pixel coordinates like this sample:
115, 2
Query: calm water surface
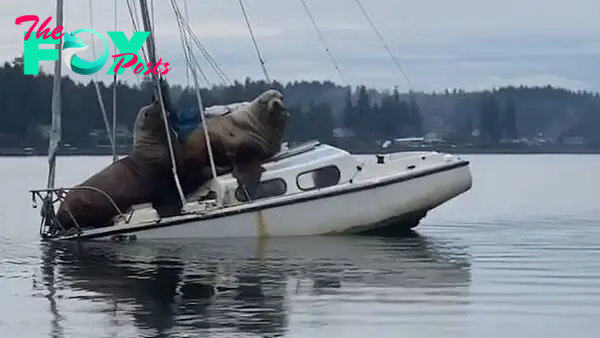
517, 256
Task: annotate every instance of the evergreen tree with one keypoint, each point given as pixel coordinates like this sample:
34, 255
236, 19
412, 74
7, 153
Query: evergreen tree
371, 114
510, 120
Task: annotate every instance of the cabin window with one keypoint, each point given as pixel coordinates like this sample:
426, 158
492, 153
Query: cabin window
268, 188
318, 178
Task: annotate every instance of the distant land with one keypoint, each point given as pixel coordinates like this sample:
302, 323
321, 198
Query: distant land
123, 151
361, 120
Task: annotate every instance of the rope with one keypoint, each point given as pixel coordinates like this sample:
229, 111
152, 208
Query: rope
211, 61
220, 73
152, 15
109, 133
134, 23
314, 23
136, 28
385, 45
187, 51
260, 58
114, 107
188, 33
152, 55
187, 18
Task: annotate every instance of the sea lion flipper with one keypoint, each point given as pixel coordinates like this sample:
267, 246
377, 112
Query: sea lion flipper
248, 177
165, 196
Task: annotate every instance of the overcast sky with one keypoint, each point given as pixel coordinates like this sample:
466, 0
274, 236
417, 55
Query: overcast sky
440, 44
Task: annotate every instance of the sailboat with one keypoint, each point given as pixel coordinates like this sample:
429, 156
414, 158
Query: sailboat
310, 189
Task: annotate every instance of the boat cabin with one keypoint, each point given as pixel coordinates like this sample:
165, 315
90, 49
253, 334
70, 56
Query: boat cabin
303, 168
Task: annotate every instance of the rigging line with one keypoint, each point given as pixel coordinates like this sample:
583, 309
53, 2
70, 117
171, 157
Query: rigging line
188, 33
189, 55
198, 96
183, 32
260, 58
187, 18
208, 83
135, 28
134, 24
97, 87
199, 69
133, 15
158, 84
314, 23
114, 101
184, 44
385, 45
207, 55
209, 58
152, 15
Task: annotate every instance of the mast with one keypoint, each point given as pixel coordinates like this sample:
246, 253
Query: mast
114, 93
56, 128
159, 92
187, 52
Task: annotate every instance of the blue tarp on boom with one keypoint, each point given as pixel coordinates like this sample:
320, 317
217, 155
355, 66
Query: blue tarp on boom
185, 121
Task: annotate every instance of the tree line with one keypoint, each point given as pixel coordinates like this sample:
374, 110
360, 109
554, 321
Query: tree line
318, 110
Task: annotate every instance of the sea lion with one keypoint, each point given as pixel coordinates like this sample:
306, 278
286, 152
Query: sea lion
241, 140
144, 176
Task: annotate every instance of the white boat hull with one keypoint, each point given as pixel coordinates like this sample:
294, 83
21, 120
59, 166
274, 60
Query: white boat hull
354, 208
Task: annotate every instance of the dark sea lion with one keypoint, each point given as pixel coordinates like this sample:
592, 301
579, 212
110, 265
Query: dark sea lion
144, 176
241, 141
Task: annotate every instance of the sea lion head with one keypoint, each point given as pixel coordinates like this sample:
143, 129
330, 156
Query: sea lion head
150, 119
272, 110
150, 137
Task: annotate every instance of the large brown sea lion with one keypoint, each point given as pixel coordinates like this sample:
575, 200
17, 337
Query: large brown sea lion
241, 141
144, 176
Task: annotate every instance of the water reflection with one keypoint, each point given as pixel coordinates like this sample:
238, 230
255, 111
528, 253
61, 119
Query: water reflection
48, 279
244, 286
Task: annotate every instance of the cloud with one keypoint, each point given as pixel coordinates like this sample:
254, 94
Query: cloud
440, 44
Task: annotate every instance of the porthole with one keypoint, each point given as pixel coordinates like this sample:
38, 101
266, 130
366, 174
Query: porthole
268, 188
318, 178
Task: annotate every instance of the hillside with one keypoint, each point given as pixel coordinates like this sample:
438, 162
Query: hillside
317, 109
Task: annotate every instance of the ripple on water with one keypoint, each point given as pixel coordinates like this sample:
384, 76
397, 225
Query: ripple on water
536, 280
171, 288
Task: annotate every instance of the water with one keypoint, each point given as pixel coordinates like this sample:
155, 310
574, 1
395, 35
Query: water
517, 256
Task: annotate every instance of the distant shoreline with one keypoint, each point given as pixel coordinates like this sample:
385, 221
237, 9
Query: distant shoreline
20, 152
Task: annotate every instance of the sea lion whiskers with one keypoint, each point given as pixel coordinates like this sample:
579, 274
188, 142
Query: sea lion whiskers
272, 111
